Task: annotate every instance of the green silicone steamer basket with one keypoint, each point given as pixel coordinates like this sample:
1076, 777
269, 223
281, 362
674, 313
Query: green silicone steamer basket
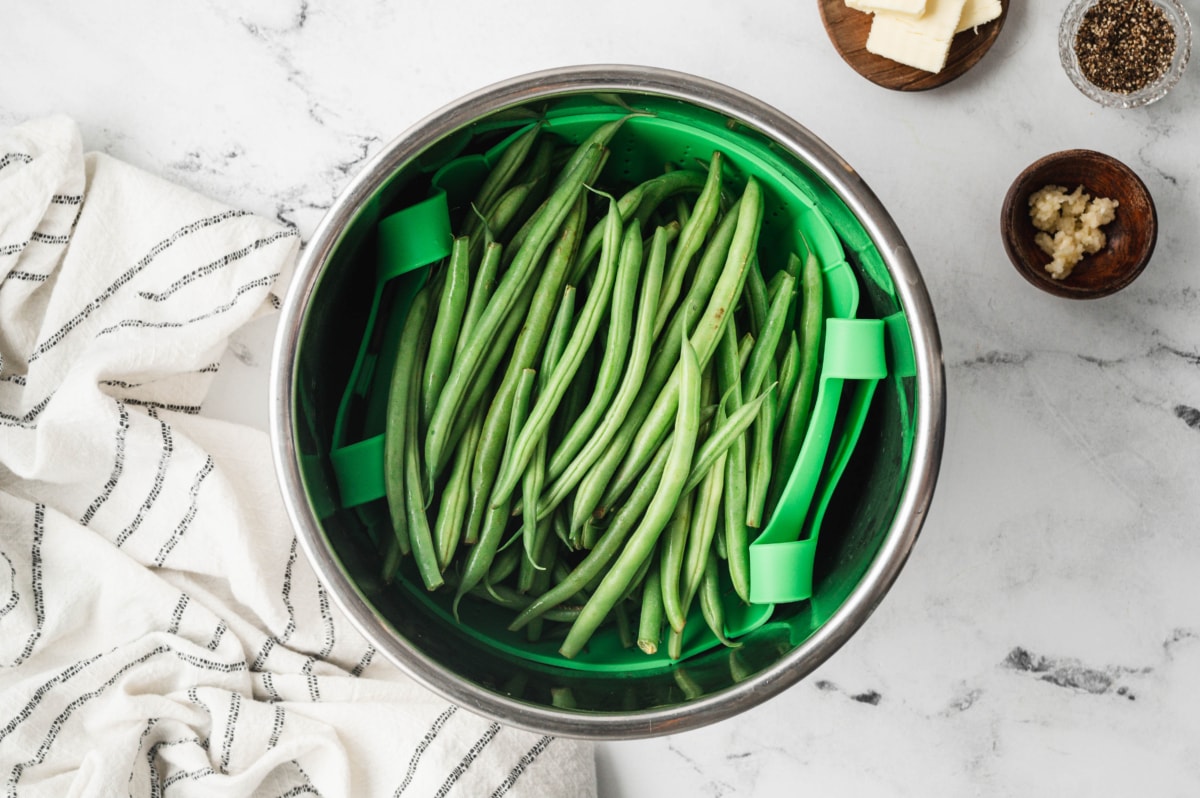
853, 505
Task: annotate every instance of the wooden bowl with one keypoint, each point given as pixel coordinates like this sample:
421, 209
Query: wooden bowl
1131, 236
848, 30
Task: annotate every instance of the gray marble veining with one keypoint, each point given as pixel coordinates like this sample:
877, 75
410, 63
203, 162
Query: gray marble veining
1044, 638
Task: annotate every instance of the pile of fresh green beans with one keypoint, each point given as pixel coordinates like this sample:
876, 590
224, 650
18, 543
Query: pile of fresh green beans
596, 397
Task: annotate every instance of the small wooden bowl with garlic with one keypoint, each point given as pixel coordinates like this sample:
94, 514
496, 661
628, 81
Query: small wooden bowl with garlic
1083, 201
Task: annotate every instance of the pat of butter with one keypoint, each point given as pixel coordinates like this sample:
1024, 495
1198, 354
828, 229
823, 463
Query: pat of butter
913, 7
923, 42
978, 12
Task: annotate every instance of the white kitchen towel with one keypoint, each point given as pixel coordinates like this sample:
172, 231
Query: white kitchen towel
160, 634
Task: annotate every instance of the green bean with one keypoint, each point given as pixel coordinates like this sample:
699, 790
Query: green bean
506, 597
704, 527
567, 471
574, 400
490, 448
537, 582
645, 196
391, 559
710, 602
737, 535
537, 173
707, 333
533, 568
794, 267
451, 516
745, 347
777, 282
731, 360
595, 488
560, 332
724, 436
497, 222
531, 487
700, 291
600, 137
756, 298
762, 358
506, 168
520, 411
614, 361
624, 628
762, 363
799, 404
466, 368
598, 558
670, 561
643, 539
419, 533
481, 291
504, 565
691, 238
479, 560
451, 307
789, 369
563, 698
761, 463
522, 233
650, 619
581, 338
674, 644
683, 211
397, 430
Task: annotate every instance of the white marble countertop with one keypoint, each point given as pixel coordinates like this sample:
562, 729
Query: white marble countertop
1044, 638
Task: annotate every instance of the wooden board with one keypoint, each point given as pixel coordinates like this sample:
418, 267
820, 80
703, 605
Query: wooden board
848, 31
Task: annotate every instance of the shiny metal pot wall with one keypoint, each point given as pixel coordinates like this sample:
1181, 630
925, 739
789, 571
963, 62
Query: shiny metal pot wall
874, 525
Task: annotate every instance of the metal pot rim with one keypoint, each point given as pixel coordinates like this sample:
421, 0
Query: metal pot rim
929, 429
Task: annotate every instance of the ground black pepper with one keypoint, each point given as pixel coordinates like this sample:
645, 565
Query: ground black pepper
1124, 45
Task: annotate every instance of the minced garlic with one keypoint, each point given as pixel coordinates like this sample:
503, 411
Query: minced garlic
1070, 226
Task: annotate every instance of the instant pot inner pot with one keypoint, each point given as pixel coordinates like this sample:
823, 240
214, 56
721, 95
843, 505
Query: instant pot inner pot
856, 524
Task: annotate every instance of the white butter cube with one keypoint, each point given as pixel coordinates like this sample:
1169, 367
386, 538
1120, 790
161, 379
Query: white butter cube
922, 43
912, 7
978, 12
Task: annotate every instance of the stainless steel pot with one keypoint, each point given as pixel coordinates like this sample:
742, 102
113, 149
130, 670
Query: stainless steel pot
874, 542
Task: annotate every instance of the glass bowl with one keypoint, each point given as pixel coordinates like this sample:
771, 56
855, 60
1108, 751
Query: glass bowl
1071, 21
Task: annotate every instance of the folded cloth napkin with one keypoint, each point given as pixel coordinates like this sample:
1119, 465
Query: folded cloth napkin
159, 632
